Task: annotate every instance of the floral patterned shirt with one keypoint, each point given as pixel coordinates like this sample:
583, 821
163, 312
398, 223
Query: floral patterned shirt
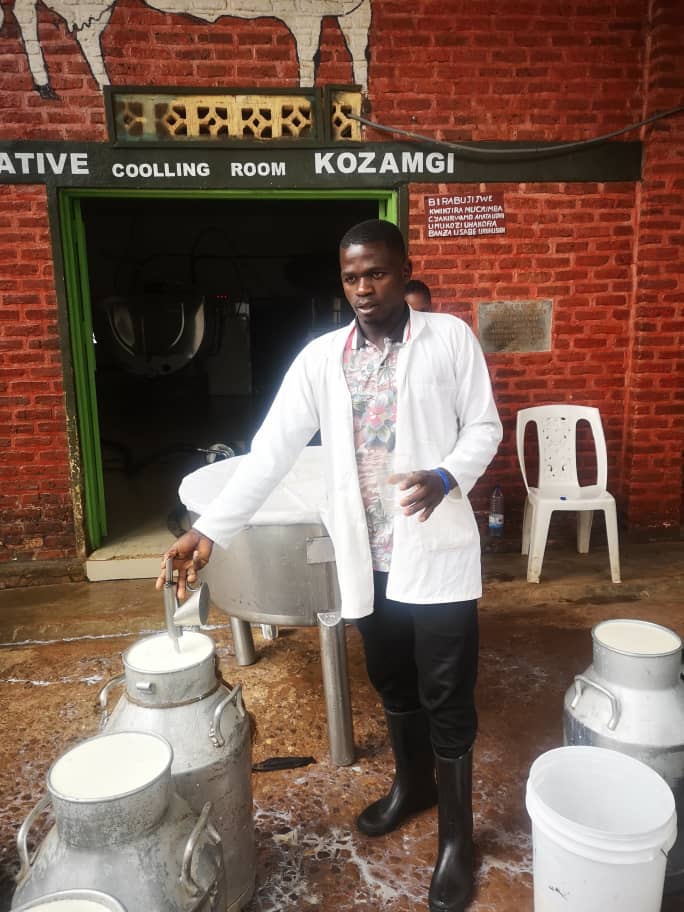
371, 375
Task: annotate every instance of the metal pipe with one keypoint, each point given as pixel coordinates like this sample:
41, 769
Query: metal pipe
336, 687
243, 641
170, 604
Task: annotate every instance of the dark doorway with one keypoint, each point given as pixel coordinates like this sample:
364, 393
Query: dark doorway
199, 306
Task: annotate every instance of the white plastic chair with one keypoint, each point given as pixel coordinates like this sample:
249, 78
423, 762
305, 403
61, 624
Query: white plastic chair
559, 487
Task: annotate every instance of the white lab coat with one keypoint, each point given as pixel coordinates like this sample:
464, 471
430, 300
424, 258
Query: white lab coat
446, 416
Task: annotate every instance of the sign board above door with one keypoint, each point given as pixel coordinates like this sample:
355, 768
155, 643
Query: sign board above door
348, 165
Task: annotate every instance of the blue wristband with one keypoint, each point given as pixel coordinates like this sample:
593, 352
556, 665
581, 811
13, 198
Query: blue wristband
445, 480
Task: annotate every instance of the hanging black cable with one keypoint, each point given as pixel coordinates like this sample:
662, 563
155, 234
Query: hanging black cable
483, 151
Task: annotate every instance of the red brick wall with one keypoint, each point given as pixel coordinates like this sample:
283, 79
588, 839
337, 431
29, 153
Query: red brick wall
36, 514
143, 46
609, 256
568, 243
503, 69
654, 444
498, 69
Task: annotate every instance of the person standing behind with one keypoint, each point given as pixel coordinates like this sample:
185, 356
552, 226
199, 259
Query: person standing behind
402, 399
417, 296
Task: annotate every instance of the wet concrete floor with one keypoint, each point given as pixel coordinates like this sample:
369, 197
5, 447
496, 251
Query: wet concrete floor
60, 644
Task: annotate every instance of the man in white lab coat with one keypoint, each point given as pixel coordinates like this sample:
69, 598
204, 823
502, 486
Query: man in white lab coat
408, 423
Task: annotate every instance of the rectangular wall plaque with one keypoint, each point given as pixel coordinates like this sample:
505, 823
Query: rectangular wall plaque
515, 326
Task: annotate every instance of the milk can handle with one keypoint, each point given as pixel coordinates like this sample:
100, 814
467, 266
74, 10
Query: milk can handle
103, 695
215, 735
202, 824
22, 837
580, 681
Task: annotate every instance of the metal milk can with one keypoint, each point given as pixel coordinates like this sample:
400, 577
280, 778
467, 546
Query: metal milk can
631, 699
181, 696
121, 829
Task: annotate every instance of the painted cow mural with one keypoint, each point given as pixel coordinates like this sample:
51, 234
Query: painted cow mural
87, 19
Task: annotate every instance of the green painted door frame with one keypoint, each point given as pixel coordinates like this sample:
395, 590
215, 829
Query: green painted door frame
77, 286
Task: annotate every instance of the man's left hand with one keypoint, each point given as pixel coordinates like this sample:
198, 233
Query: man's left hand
426, 491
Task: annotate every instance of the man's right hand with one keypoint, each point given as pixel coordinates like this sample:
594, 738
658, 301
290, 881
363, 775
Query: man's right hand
190, 553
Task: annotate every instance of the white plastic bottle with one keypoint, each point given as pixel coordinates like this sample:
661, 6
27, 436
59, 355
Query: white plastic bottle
496, 513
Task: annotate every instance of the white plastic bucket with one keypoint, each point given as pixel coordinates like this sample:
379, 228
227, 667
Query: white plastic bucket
602, 825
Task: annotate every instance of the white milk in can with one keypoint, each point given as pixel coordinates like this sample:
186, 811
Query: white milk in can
74, 901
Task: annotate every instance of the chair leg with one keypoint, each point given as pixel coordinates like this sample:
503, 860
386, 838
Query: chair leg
584, 521
538, 534
527, 518
610, 514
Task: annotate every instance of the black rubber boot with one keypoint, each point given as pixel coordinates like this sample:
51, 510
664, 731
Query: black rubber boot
452, 882
414, 787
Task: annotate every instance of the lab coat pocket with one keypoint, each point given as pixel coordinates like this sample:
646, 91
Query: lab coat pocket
452, 525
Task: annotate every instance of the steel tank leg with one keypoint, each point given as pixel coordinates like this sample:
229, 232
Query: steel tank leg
336, 687
245, 653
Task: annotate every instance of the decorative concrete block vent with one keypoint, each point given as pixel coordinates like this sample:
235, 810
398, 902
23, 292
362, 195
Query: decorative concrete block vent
242, 116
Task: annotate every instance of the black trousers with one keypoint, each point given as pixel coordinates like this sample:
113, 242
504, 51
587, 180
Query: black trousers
425, 656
